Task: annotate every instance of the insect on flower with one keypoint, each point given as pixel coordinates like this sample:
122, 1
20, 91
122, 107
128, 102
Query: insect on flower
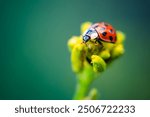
100, 32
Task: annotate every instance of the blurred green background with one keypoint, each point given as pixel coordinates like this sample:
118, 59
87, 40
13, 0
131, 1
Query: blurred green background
34, 58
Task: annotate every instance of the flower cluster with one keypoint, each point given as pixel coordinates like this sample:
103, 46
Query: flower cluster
90, 59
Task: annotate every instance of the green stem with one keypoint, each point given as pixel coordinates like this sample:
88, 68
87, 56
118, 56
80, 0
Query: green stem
81, 90
84, 80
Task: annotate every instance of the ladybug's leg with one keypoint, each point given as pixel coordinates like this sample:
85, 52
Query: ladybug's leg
98, 40
95, 41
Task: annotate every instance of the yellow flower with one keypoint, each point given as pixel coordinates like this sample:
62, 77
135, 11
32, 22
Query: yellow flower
85, 26
91, 58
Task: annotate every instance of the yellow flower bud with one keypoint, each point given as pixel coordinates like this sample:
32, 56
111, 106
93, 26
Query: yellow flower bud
85, 26
105, 54
73, 41
77, 57
117, 51
99, 64
108, 46
120, 37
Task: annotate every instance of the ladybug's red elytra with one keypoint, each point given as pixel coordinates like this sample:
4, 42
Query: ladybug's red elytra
100, 32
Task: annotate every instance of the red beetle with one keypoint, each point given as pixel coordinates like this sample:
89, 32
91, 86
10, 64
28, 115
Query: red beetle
100, 32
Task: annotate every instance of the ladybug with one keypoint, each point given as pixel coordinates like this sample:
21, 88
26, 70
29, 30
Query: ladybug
100, 32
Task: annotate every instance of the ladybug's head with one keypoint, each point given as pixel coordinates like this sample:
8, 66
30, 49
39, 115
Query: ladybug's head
86, 38
89, 34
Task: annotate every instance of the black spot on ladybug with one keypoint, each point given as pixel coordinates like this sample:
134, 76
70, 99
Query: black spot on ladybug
111, 38
104, 33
